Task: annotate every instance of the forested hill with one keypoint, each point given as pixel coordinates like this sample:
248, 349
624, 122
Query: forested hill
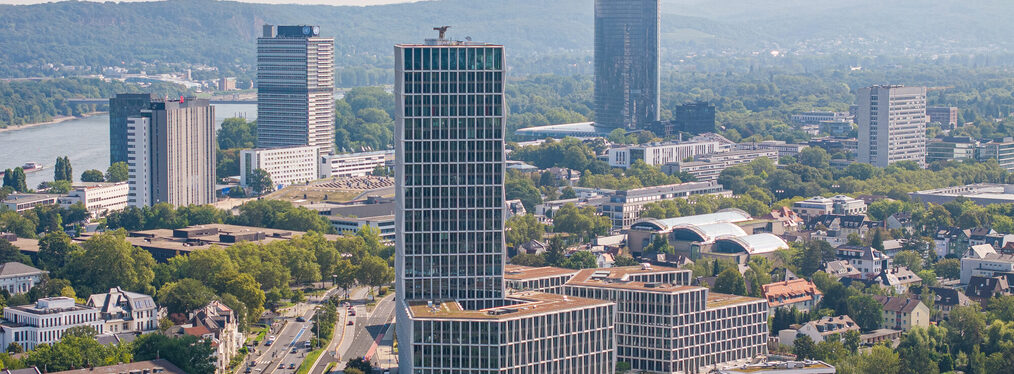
222, 33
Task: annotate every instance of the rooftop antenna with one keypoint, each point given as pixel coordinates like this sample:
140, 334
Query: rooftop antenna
442, 30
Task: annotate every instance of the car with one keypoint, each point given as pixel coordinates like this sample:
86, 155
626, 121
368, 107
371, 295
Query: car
294, 350
300, 319
306, 344
248, 370
281, 366
350, 322
292, 366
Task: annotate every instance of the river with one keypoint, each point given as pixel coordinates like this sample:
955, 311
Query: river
84, 140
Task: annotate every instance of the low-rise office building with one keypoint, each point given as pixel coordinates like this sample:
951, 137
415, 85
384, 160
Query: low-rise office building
981, 194
20, 202
784, 149
533, 333
624, 207
782, 367
285, 166
353, 164
17, 278
100, 198
45, 321
659, 154
818, 205
999, 149
352, 218
708, 167
951, 148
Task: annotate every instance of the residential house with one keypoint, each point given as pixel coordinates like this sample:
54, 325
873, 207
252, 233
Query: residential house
950, 240
903, 313
125, 311
17, 278
870, 262
819, 330
946, 299
799, 293
219, 323
836, 228
984, 261
900, 278
789, 219
900, 221
841, 269
983, 289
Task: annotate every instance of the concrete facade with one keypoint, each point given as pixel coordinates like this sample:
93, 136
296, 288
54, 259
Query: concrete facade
892, 125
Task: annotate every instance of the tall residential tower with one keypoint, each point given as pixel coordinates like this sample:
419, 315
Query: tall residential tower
295, 88
454, 314
626, 63
171, 153
122, 107
892, 125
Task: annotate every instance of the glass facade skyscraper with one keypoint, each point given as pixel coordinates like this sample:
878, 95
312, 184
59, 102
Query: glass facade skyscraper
626, 63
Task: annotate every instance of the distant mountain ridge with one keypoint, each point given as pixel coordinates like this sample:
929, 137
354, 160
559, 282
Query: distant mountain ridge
222, 33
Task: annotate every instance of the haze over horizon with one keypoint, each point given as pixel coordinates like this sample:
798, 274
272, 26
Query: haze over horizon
303, 2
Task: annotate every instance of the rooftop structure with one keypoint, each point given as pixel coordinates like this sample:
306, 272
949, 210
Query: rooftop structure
20, 202
982, 194
575, 130
659, 154
782, 367
125, 311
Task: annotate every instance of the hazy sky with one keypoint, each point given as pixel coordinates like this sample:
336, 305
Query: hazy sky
328, 2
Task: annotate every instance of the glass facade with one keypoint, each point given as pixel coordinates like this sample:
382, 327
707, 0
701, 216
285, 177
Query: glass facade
626, 63
450, 158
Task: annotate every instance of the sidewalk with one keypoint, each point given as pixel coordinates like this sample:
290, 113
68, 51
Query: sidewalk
385, 357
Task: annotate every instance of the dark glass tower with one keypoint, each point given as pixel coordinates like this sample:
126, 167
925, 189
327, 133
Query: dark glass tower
122, 107
626, 63
450, 162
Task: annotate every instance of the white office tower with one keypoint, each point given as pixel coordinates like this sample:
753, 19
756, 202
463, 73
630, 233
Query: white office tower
454, 315
295, 88
892, 125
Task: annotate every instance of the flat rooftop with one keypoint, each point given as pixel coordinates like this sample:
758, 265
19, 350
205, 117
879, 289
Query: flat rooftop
518, 272
204, 236
618, 277
526, 304
719, 300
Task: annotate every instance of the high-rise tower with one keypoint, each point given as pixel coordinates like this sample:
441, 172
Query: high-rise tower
295, 88
122, 107
454, 314
626, 63
892, 125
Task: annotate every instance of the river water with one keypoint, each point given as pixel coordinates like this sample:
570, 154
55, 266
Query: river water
84, 140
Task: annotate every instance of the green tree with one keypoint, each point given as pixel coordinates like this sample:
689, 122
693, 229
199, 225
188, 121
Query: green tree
345, 275
184, 296
21, 226
62, 170
54, 248
866, 311
237, 133
852, 340
10, 253
259, 181
949, 268
966, 327
625, 260
93, 175
360, 364
15, 179
189, 353
375, 272
518, 186
730, 281
804, 348
916, 352
659, 244
581, 260
529, 259
584, 221
814, 157
107, 260
910, 259
522, 229
117, 172
14, 348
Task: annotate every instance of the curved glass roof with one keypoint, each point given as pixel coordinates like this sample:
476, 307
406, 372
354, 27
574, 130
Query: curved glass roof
708, 233
759, 243
724, 216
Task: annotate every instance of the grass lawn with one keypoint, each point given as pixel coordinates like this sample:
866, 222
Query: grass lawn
308, 361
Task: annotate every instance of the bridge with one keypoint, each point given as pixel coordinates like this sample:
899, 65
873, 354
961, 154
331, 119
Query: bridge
106, 101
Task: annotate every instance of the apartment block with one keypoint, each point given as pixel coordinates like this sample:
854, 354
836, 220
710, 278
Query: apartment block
100, 198
286, 165
892, 125
944, 115
708, 167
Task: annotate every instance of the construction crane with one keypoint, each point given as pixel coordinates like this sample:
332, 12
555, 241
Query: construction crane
442, 30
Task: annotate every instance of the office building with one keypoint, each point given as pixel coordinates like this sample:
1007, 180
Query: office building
892, 125
45, 321
696, 118
454, 314
999, 149
227, 84
352, 218
815, 118
708, 167
659, 154
353, 164
951, 148
100, 198
121, 107
156, 366
624, 207
947, 116
20, 202
171, 153
663, 325
295, 88
784, 149
782, 367
285, 165
626, 63
17, 278
819, 205
980, 193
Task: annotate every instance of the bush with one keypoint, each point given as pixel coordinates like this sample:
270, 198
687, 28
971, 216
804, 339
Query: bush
383, 291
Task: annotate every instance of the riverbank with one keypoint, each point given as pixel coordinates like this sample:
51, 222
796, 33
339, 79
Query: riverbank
55, 120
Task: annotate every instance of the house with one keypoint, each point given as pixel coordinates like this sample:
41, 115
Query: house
532, 247
903, 313
819, 330
799, 293
899, 278
870, 262
45, 321
125, 311
836, 228
900, 221
983, 289
950, 240
219, 323
893, 246
984, 261
979, 235
841, 269
515, 208
789, 219
156, 366
946, 299
17, 278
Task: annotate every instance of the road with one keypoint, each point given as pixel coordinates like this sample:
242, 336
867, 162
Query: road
288, 348
361, 338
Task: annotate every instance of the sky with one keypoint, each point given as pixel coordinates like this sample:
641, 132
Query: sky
326, 2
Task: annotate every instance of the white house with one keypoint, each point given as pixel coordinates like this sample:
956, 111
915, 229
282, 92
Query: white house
17, 278
125, 311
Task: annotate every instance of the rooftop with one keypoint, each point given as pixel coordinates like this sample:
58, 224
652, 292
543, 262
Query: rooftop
718, 300
17, 269
619, 277
725, 215
526, 304
787, 367
518, 272
204, 236
156, 366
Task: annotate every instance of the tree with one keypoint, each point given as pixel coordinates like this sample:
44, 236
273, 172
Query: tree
345, 275
117, 172
184, 296
237, 133
910, 259
259, 181
360, 364
62, 170
814, 254
916, 352
529, 259
93, 176
581, 260
15, 179
966, 326
622, 366
107, 260
660, 245
10, 253
730, 281
54, 248
583, 221
852, 340
949, 268
14, 348
814, 157
568, 193
519, 187
878, 240
866, 311
804, 348
374, 272
190, 354
522, 229
625, 260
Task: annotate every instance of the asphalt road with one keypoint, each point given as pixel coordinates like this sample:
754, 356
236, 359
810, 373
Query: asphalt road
358, 339
288, 349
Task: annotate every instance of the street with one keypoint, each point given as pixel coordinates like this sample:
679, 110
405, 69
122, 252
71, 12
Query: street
288, 349
369, 330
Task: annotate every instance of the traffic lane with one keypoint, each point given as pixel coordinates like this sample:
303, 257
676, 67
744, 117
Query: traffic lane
294, 334
370, 327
